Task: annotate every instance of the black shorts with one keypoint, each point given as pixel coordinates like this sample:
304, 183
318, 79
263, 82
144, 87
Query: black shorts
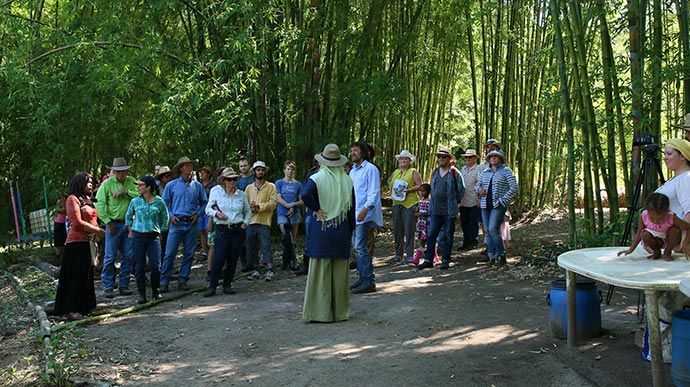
59, 234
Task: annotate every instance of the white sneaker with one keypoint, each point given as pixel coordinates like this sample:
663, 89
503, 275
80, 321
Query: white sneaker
255, 275
269, 276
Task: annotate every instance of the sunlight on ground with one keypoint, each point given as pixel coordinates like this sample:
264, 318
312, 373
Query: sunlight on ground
453, 340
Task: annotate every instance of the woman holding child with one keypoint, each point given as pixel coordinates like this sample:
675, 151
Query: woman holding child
677, 188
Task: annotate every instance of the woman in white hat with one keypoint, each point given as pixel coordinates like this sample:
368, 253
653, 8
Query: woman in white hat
229, 208
330, 194
404, 183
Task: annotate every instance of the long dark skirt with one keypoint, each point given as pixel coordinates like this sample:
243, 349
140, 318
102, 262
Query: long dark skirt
75, 292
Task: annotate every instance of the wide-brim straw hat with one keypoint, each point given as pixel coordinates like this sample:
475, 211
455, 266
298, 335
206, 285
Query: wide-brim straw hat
686, 124
182, 161
119, 164
495, 153
493, 141
469, 153
228, 173
258, 164
162, 171
330, 156
207, 169
406, 153
444, 150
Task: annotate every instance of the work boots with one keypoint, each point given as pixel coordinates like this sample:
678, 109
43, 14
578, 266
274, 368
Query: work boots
155, 284
141, 287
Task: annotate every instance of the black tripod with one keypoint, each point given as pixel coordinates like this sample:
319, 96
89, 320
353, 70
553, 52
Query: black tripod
645, 183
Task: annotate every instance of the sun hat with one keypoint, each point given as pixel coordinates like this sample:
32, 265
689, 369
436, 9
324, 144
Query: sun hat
258, 164
147, 180
469, 153
406, 153
120, 164
686, 124
681, 145
330, 156
496, 152
207, 169
444, 150
182, 161
492, 141
228, 173
162, 171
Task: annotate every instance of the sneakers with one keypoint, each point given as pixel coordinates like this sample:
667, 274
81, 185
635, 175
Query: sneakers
124, 291
228, 290
108, 293
394, 261
356, 284
364, 288
210, 292
501, 260
182, 286
425, 265
444, 266
256, 274
269, 276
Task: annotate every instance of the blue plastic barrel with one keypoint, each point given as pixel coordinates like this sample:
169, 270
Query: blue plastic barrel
588, 310
680, 342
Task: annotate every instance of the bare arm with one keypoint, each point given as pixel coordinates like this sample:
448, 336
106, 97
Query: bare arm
636, 239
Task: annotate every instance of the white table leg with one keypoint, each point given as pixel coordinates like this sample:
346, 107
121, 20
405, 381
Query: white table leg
655, 337
570, 286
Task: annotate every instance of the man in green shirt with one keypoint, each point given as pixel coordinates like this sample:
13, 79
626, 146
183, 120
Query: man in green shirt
112, 201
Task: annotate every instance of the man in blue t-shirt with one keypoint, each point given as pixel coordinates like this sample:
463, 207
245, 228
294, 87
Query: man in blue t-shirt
289, 215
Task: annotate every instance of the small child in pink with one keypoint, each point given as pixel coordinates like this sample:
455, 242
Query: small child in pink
658, 227
422, 213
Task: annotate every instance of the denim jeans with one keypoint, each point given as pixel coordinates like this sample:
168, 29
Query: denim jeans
404, 226
114, 243
492, 219
263, 234
143, 244
365, 265
228, 243
184, 232
438, 223
469, 222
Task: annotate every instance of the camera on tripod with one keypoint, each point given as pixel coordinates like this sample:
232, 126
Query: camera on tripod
647, 142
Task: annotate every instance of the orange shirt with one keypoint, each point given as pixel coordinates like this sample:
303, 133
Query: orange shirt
77, 218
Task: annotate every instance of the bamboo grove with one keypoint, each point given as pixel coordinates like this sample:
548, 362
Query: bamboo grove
564, 85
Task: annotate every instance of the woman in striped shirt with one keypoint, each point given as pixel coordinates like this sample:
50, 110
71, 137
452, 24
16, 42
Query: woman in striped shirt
496, 186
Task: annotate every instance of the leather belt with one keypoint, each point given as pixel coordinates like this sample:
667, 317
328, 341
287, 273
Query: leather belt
185, 218
231, 226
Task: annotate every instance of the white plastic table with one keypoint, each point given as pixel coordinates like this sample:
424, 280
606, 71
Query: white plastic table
632, 271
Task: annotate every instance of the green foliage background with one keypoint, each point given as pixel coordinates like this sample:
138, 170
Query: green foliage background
82, 82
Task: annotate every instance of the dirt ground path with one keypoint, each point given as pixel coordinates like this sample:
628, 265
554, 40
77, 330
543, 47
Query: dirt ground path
467, 326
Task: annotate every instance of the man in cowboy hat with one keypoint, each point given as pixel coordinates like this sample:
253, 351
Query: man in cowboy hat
447, 190
367, 183
186, 201
112, 201
470, 213
262, 198
685, 126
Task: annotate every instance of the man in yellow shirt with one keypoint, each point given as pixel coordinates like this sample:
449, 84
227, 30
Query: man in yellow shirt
262, 201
